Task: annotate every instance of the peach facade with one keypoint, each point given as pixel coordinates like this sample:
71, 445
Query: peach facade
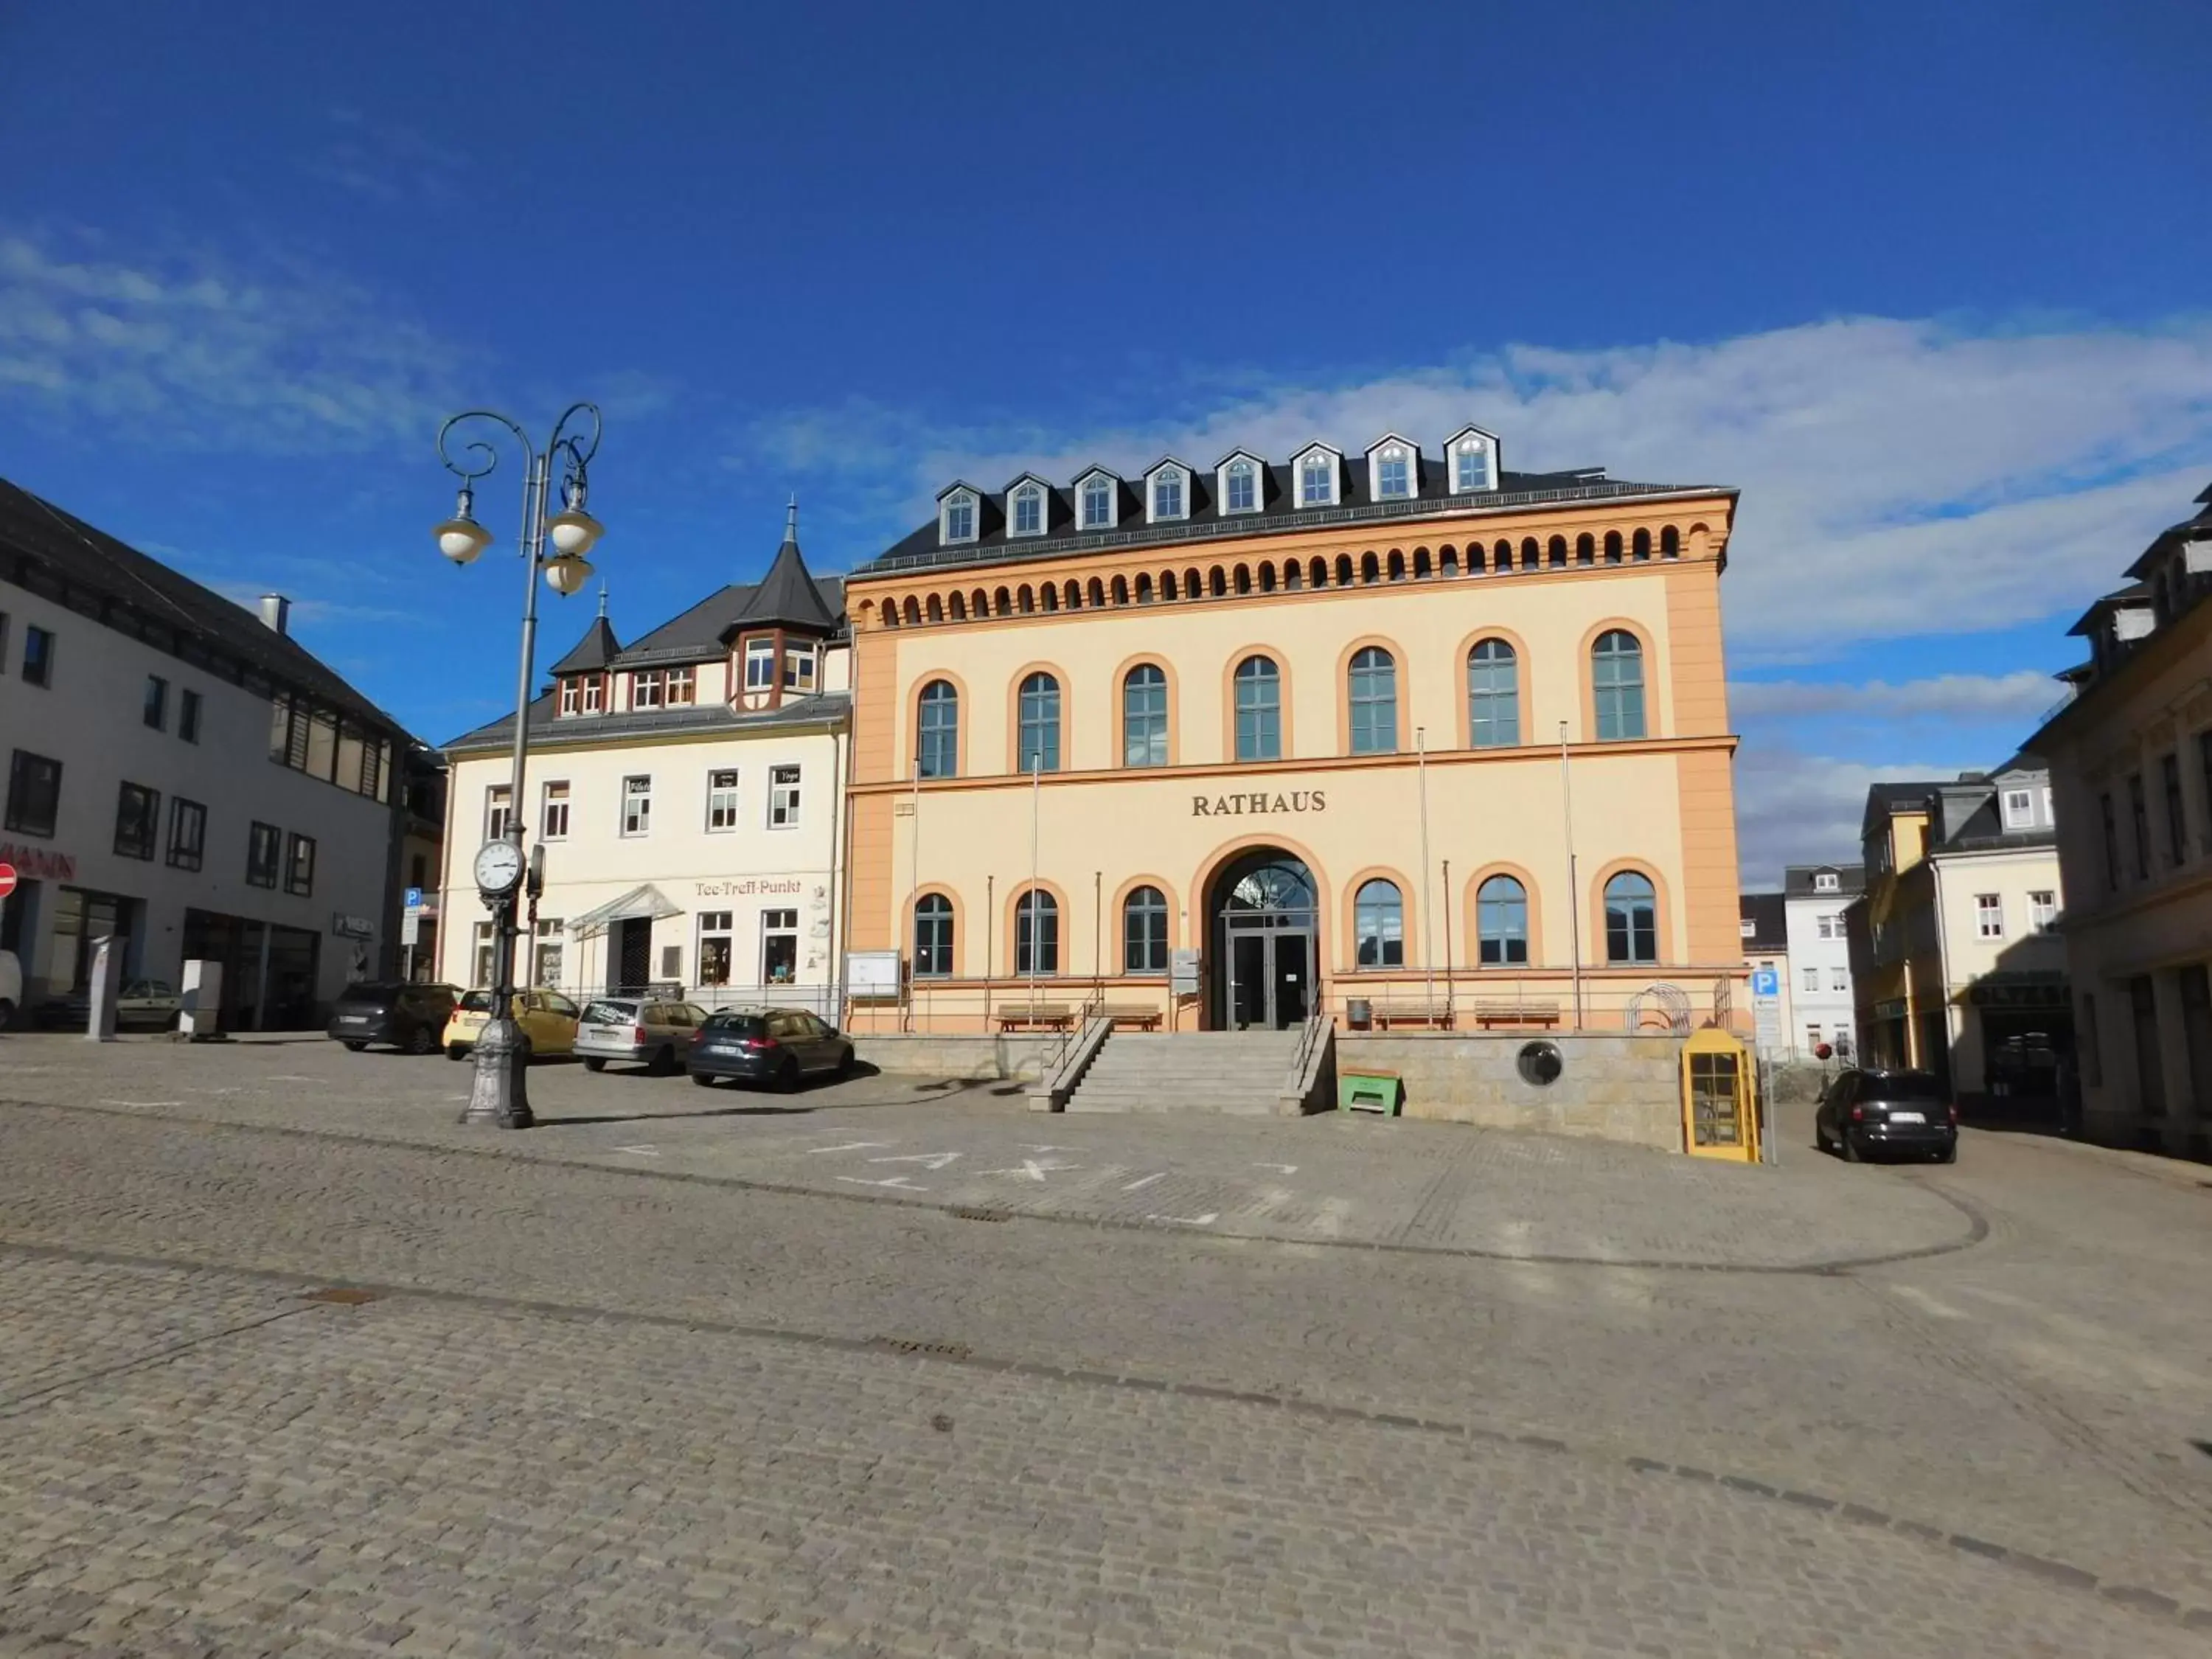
1549, 581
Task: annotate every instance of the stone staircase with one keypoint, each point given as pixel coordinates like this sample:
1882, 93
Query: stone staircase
1241, 1073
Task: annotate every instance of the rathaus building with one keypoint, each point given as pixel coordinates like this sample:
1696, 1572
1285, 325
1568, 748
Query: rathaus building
1266, 736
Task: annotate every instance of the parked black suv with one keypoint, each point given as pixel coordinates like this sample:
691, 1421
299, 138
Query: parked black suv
1903, 1113
409, 1017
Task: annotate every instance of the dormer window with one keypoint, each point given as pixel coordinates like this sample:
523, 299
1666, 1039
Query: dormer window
1241, 487
1317, 480
1097, 502
1168, 494
1473, 456
1394, 473
1029, 510
1825, 881
759, 664
799, 669
958, 523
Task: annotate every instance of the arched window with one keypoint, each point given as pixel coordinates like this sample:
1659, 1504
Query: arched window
1501, 920
1029, 511
1097, 502
1039, 745
937, 754
1259, 710
1318, 572
1193, 587
1394, 473
1036, 933
1344, 570
1558, 550
1493, 695
1585, 549
1143, 587
1315, 486
891, 613
1167, 494
1244, 487
1072, 595
1617, 681
1378, 922
1120, 590
1144, 716
1374, 692
933, 608
1670, 543
1168, 585
1613, 547
959, 605
933, 937
1145, 931
1640, 546
1632, 920
1371, 569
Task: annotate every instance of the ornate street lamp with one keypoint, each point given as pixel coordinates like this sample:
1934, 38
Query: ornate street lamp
499, 1095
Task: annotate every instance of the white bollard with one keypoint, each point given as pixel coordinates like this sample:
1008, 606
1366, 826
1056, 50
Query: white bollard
201, 1019
107, 975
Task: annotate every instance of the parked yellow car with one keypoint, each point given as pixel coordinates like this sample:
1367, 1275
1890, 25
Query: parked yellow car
547, 1018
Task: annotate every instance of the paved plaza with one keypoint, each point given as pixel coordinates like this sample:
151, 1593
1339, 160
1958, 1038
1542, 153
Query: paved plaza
290, 1361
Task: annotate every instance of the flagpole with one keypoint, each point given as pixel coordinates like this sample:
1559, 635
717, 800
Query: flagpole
1428, 935
1036, 917
1574, 897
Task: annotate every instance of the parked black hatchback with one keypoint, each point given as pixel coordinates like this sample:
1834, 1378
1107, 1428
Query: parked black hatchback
409, 1017
1900, 1114
766, 1045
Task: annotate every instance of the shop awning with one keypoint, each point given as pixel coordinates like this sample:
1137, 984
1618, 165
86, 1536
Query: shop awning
647, 901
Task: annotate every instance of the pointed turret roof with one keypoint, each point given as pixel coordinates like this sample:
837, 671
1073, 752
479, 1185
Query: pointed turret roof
595, 649
788, 596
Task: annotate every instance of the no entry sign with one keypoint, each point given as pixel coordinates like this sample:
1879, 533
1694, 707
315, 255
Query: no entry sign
7, 879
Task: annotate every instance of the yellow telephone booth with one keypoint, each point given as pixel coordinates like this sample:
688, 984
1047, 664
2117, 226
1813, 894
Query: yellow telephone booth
1720, 1107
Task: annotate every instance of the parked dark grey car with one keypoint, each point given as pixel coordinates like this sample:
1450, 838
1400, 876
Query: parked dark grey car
779, 1046
1900, 1114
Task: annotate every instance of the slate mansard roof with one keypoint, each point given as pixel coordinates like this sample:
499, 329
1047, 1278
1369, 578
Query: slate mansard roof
1769, 920
44, 548
1278, 510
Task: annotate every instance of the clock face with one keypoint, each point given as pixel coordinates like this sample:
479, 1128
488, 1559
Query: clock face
499, 866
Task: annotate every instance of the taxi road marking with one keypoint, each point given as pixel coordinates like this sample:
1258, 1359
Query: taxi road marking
850, 1146
903, 1183
1035, 1168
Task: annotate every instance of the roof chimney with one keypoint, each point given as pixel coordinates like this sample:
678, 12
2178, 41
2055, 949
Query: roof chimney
276, 613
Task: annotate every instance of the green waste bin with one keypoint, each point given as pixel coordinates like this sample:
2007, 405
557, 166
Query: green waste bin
1368, 1092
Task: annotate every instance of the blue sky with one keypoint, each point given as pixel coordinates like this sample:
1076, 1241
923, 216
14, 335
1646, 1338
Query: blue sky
1926, 282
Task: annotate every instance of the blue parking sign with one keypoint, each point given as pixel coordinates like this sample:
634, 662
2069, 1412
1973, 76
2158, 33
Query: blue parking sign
414, 898
1766, 982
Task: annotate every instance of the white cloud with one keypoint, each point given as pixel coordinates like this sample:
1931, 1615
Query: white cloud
2012, 698
1794, 808
1900, 478
190, 351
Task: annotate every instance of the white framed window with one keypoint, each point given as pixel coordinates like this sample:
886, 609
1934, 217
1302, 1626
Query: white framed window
1470, 466
722, 799
499, 808
1098, 497
1813, 978
681, 684
958, 520
2042, 909
715, 947
1840, 979
1812, 1035
482, 954
646, 687
1826, 881
783, 797
1029, 510
637, 806
553, 812
1989, 915
1317, 480
1240, 486
2019, 809
1826, 926
1747, 927
1394, 473
595, 691
759, 664
546, 953
572, 697
778, 946
1169, 489
799, 669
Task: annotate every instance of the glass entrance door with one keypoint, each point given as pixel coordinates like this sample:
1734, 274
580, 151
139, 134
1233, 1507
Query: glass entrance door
1271, 971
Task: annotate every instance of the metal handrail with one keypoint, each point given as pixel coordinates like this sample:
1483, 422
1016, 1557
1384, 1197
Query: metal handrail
1093, 1007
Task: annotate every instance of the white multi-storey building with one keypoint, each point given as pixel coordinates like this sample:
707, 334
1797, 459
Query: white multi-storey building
185, 778
1814, 897
686, 791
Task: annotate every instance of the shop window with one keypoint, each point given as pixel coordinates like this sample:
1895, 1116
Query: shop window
778, 946
714, 939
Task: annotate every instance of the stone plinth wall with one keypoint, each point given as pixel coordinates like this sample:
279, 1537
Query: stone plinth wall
1615, 1088
950, 1055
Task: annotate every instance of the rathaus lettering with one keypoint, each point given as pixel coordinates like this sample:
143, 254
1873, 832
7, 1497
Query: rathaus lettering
1236, 806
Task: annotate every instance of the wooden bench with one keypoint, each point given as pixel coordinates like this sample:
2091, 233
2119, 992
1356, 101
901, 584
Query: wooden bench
1140, 1015
1035, 1017
1487, 1014
1413, 1012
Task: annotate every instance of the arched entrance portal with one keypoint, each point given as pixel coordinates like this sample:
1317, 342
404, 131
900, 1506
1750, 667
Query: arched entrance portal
1261, 918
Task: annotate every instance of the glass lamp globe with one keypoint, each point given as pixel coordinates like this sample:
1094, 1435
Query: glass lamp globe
572, 531
566, 574
462, 538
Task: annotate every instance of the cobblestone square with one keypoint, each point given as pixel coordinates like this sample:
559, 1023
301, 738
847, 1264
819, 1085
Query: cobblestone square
291, 1361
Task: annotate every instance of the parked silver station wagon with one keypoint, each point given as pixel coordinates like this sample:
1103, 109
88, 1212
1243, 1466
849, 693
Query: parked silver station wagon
652, 1031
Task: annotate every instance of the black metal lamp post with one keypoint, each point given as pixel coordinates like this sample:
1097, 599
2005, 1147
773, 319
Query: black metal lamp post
499, 1095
